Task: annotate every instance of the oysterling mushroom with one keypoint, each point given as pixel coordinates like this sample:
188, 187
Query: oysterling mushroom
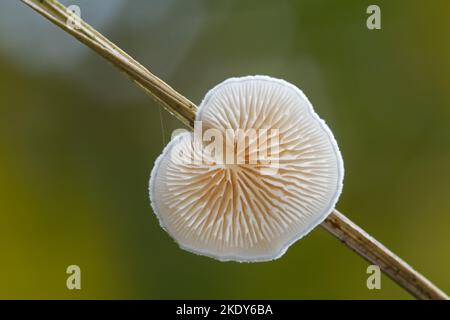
248, 210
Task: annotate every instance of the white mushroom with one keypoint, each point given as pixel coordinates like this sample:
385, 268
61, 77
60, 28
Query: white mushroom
251, 211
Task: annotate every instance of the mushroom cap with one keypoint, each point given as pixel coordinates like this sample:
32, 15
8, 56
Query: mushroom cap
238, 211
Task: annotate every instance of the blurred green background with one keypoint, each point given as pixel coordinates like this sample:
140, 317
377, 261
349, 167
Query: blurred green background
78, 141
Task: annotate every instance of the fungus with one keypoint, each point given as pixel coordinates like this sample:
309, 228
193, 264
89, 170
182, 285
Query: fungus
248, 210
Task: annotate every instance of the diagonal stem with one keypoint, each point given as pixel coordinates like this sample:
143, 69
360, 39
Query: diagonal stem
376, 253
184, 110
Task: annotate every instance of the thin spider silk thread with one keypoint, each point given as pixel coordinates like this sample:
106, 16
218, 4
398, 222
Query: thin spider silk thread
161, 122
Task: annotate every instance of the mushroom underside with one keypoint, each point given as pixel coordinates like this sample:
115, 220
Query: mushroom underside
283, 180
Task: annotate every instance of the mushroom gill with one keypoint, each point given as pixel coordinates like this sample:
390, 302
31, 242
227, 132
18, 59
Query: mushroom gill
279, 185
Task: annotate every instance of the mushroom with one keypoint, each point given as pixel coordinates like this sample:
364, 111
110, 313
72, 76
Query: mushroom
249, 210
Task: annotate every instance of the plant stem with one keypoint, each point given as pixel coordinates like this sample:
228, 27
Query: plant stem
376, 253
183, 109
337, 224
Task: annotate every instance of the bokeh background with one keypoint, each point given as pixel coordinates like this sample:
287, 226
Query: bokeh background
78, 141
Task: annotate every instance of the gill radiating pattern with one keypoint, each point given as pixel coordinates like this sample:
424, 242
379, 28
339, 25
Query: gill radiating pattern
233, 208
